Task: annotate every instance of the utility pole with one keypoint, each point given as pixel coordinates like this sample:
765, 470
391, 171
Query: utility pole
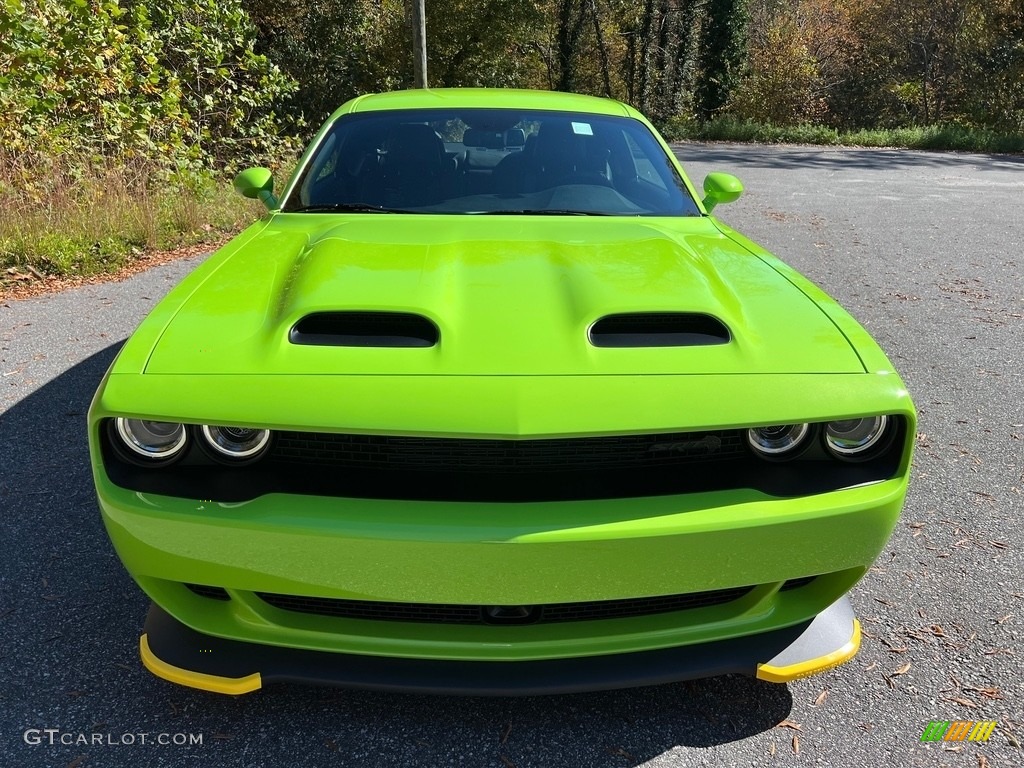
419, 44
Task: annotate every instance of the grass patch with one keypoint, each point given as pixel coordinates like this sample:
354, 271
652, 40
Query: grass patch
73, 219
938, 137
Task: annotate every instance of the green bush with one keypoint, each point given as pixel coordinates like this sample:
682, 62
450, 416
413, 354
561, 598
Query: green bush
175, 82
85, 78
944, 137
227, 92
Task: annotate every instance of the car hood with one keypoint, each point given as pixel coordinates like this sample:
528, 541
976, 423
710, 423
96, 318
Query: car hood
508, 296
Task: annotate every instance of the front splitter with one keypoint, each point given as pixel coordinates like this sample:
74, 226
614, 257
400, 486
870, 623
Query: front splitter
173, 651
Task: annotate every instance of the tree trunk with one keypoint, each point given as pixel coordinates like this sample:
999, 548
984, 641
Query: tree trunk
570, 26
601, 49
643, 95
419, 44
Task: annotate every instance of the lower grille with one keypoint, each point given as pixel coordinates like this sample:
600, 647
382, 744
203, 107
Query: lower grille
550, 613
796, 583
214, 593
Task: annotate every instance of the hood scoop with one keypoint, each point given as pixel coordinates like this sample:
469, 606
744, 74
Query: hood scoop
364, 329
658, 329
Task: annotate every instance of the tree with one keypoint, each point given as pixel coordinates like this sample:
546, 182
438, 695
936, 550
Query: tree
571, 24
658, 54
722, 51
799, 52
484, 43
334, 49
993, 66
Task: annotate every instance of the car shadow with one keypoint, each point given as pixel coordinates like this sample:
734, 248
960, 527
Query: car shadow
58, 565
70, 618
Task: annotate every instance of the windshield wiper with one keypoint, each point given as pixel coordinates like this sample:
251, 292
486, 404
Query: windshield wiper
543, 212
345, 208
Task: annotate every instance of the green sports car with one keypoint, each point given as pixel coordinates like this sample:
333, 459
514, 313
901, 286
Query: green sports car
490, 402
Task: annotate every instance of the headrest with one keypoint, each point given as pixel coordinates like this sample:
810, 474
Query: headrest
477, 137
414, 140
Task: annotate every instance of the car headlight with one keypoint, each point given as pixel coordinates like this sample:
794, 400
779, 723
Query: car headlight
778, 441
855, 438
156, 440
236, 443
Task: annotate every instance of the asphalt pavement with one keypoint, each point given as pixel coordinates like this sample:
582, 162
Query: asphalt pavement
925, 249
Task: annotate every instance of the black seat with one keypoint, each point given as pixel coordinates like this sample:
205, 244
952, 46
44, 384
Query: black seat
414, 168
510, 174
567, 154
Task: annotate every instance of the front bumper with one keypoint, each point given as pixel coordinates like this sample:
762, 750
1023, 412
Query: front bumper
499, 554
176, 653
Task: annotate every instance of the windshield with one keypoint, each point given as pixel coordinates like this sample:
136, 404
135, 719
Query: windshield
490, 161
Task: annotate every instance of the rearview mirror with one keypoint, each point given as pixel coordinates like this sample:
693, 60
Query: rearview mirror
258, 184
720, 188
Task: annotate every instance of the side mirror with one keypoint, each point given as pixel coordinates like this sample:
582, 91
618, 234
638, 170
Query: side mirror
257, 184
720, 188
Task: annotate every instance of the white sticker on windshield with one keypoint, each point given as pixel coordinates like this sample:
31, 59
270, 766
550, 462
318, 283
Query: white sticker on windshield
583, 129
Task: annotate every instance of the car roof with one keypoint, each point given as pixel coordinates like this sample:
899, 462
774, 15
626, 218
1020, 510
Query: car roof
486, 98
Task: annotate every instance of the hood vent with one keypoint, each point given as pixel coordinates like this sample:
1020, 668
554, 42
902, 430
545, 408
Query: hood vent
658, 329
364, 329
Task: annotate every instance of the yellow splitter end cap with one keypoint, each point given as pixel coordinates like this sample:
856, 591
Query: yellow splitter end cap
201, 680
831, 639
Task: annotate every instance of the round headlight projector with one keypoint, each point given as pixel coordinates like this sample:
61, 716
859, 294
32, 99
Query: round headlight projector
778, 442
156, 440
855, 438
236, 443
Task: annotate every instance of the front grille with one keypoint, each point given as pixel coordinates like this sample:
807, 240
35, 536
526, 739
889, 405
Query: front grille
550, 613
353, 452
498, 470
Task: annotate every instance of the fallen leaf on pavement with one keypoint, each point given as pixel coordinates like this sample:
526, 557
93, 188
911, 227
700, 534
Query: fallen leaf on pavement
963, 702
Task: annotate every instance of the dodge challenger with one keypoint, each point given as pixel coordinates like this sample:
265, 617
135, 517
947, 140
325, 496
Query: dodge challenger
490, 402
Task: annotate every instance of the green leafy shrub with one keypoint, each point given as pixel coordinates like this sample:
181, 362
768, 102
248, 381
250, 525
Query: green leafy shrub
227, 93
175, 82
84, 78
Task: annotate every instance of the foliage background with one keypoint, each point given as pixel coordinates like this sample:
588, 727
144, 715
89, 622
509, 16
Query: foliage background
211, 83
119, 119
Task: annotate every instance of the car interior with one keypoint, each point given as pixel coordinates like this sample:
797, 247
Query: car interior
492, 163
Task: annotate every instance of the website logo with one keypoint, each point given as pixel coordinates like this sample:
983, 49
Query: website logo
958, 730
